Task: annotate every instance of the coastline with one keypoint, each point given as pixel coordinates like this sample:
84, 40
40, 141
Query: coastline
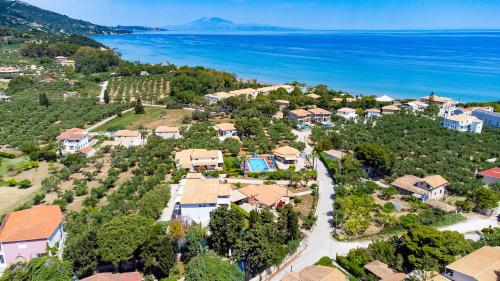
358, 70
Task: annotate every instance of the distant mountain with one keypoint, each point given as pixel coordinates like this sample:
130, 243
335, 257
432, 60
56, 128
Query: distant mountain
215, 24
17, 14
138, 28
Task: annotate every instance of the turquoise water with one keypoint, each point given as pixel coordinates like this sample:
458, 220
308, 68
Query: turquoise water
462, 65
257, 165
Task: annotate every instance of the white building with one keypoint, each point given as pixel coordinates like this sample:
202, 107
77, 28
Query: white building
128, 138
168, 132
199, 160
372, 112
225, 130
463, 123
268, 89
347, 113
248, 92
200, 196
74, 140
390, 109
415, 106
384, 98
427, 188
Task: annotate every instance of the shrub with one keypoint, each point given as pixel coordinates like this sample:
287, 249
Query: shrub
38, 198
297, 200
24, 184
11, 182
293, 245
389, 207
325, 261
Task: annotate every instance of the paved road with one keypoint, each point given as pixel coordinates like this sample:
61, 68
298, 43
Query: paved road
474, 222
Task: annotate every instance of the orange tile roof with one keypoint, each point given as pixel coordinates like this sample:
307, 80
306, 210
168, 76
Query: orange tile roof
314, 96
266, 194
108, 276
166, 129
316, 273
126, 133
72, 134
380, 269
319, 111
300, 112
225, 127
482, 264
346, 109
390, 107
493, 172
36, 223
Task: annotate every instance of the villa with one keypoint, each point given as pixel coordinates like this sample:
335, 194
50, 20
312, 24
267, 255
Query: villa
5, 98
490, 176
491, 119
128, 138
428, 188
347, 113
335, 155
287, 154
268, 89
248, 92
74, 140
316, 273
463, 123
342, 99
283, 104
168, 132
61, 60
26, 234
313, 96
266, 196
436, 100
225, 130
480, 265
320, 115
199, 196
372, 112
7, 71
469, 110
390, 109
415, 106
299, 116
199, 160
216, 97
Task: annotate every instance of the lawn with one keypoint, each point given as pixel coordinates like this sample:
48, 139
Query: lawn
154, 117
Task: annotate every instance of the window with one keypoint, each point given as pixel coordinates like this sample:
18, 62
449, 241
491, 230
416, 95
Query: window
2, 260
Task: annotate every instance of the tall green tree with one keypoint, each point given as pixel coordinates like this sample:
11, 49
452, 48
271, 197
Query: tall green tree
288, 223
43, 100
158, 253
195, 237
139, 108
106, 96
80, 250
225, 227
484, 198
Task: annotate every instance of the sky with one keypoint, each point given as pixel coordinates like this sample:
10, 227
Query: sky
318, 14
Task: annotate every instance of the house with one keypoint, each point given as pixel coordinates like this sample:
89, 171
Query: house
490, 176
384, 98
61, 60
70, 94
48, 79
144, 73
168, 132
26, 234
347, 113
248, 92
480, 265
268, 196
428, 188
415, 106
390, 109
111, 276
342, 99
316, 273
283, 104
287, 154
216, 97
463, 123
335, 155
200, 196
225, 130
8, 71
372, 112
128, 138
469, 110
5, 98
379, 269
320, 115
491, 119
73, 140
313, 96
436, 100
299, 116
268, 89
87, 152
199, 160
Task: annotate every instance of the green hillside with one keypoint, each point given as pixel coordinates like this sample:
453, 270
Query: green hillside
17, 14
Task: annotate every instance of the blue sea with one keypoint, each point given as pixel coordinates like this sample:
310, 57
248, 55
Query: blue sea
464, 65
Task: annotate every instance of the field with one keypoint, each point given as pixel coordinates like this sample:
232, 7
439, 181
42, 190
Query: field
154, 117
150, 89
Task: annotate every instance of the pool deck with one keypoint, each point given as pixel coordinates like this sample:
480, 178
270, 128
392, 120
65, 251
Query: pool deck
267, 159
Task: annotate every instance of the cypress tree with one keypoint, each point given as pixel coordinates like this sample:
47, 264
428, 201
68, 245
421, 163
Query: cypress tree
43, 100
139, 108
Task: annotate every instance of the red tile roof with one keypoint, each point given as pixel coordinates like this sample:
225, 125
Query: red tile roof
108, 276
36, 223
72, 134
493, 172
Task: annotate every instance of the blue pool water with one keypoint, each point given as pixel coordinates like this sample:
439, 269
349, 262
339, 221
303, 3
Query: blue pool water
257, 165
463, 65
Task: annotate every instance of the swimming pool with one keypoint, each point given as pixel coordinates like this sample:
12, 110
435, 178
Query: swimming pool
257, 165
